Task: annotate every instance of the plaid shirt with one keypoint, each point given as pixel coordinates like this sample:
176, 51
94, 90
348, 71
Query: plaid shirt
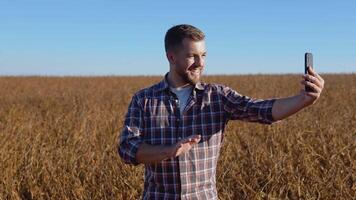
154, 117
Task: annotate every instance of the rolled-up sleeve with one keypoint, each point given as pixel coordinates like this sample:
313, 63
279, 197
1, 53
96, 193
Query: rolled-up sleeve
244, 108
131, 134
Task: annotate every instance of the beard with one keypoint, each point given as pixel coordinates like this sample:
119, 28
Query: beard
191, 76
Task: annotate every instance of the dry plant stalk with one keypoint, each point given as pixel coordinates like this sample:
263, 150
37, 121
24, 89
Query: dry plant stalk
58, 140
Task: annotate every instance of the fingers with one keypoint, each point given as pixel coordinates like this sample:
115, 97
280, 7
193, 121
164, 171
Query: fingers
316, 89
186, 144
311, 70
312, 94
313, 73
315, 82
312, 79
193, 139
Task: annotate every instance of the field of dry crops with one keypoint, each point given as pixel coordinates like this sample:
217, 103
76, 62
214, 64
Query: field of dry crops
58, 140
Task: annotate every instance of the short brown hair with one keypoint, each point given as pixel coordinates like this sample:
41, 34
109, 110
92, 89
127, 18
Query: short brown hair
176, 34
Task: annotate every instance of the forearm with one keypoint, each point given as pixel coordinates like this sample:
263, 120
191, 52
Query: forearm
147, 153
285, 107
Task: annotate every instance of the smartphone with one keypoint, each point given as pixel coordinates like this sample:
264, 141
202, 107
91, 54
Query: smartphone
308, 62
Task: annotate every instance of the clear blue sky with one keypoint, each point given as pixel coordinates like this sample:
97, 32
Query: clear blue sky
77, 37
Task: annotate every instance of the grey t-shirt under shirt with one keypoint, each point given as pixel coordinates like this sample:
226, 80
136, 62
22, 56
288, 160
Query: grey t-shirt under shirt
183, 94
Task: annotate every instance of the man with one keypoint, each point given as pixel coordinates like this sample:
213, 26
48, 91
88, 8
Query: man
175, 127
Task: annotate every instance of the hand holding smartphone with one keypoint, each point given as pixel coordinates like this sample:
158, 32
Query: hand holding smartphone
308, 62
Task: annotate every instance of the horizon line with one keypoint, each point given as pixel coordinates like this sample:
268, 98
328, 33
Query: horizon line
160, 75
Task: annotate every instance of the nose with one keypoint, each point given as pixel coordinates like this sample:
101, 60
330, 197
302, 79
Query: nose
199, 61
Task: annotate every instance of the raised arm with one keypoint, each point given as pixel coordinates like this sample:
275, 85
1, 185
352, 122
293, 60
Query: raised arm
285, 107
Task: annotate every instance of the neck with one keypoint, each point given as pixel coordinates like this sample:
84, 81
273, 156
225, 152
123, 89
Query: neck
175, 81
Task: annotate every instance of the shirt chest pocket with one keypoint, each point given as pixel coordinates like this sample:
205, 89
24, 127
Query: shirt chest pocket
157, 112
157, 122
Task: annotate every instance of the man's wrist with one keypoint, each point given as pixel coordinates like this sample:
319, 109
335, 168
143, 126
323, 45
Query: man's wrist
169, 151
303, 101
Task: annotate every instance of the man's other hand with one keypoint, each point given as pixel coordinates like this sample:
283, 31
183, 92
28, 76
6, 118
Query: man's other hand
184, 145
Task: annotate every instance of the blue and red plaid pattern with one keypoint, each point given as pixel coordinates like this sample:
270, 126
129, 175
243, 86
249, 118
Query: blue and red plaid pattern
153, 117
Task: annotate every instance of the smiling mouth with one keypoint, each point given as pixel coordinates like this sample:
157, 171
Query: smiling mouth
195, 71
195, 68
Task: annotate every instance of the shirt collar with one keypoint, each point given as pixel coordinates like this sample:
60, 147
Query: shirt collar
163, 84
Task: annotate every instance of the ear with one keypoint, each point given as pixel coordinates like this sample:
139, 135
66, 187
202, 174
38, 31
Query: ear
171, 57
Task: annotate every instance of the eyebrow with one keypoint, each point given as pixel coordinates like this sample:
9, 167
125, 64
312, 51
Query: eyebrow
190, 53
